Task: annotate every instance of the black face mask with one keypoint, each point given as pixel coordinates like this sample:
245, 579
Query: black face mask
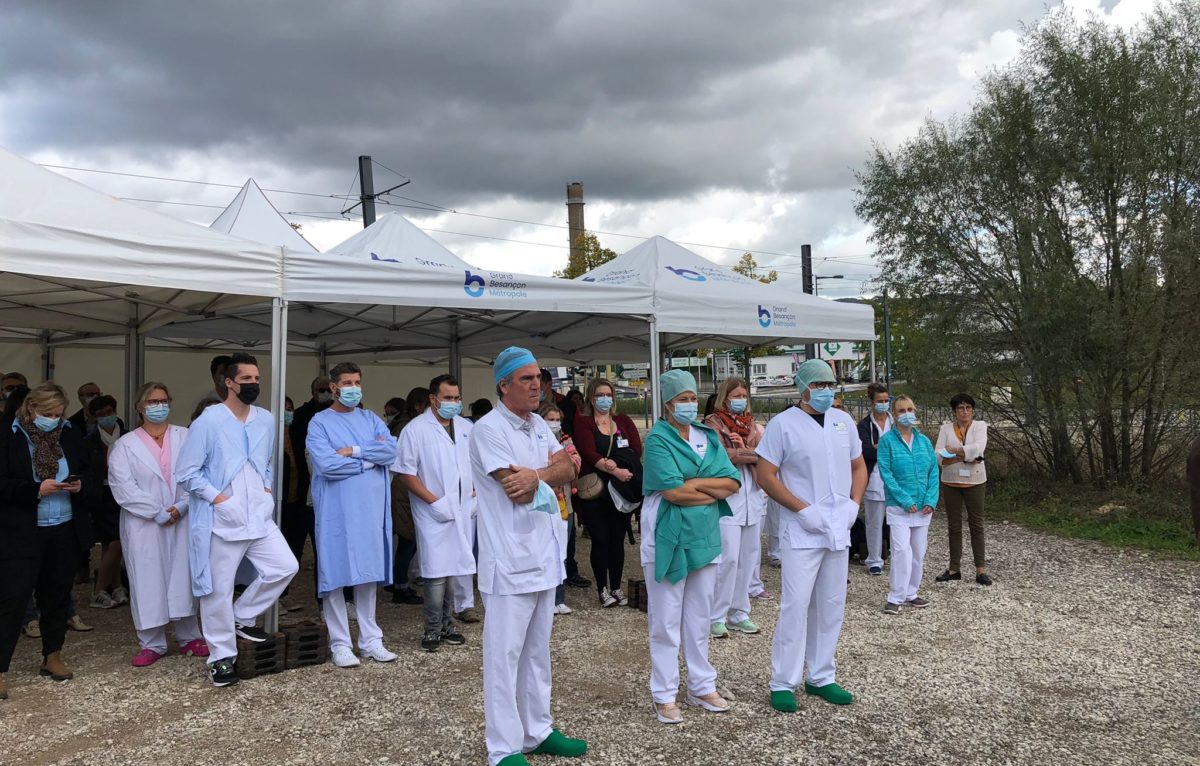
248, 394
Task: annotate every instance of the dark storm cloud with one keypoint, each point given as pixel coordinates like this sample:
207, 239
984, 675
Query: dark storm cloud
477, 100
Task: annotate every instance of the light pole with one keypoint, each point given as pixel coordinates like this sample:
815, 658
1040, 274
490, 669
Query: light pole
816, 290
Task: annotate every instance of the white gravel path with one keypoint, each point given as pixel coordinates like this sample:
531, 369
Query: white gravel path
1080, 654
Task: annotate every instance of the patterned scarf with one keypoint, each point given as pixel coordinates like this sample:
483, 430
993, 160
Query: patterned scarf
742, 425
46, 449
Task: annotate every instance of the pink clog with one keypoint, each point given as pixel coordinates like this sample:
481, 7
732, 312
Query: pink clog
145, 658
194, 648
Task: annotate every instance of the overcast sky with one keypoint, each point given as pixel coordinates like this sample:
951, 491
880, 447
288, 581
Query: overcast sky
726, 123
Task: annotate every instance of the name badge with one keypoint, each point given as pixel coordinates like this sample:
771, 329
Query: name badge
964, 473
839, 426
622, 442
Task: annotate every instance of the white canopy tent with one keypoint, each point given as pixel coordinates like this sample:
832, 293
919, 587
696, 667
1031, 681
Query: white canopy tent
391, 290
252, 216
698, 303
77, 264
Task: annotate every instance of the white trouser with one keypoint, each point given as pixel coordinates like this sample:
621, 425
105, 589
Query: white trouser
740, 549
516, 672
275, 565
811, 608
772, 531
155, 638
908, 561
464, 592
333, 607
874, 513
680, 613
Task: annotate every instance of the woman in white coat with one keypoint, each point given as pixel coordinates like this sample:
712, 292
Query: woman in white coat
154, 529
741, 533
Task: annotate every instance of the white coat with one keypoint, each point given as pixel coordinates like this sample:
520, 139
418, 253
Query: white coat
814, 464
156, 555
445, 528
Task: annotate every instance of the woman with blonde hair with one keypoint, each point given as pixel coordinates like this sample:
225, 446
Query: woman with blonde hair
154, 529
611, 448
44, 524
741, 533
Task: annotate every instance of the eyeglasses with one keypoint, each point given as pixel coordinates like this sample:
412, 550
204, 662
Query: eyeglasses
157, 401
819, 386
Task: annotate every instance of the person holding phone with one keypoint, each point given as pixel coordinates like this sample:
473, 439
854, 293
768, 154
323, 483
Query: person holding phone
44, 525
961, 445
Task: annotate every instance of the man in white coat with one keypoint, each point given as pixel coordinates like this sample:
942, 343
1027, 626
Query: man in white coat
811, 464
434, 465
350, 449
225, 465
515, 460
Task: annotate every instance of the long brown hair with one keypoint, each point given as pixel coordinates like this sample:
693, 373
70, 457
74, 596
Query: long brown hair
592, 387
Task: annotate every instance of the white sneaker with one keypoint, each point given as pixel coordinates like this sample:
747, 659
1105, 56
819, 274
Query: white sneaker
379, 653
343, 657
620, 597
120, 596
562, 609
351, 611
606, 599
101, 600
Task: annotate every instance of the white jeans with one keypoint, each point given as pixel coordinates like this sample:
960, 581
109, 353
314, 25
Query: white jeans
464, 592
516, 672
908, 561
276, 566
333, 607
811, 608
155, 638
874, 513
680, 613
740, 549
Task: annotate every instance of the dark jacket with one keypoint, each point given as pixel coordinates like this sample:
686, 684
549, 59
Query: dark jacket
584, 435
298, 431
19, 491
868, 433
78, 421
95, 456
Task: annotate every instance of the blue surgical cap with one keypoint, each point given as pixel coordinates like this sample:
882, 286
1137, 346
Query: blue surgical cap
510, 360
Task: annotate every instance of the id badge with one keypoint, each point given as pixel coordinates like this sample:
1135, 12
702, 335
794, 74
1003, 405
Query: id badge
964, 473
622, 442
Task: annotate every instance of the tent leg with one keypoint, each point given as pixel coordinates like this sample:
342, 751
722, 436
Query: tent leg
455, 353
47, 357
278, 389
872, 376
135, 357
655, 371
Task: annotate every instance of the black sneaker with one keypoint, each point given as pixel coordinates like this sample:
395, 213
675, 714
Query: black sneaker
917, 603
875, 571
250, 633
223, 673
406, 596
431, 642
578, 581
890, 608
453, 637
947, 576
983, 578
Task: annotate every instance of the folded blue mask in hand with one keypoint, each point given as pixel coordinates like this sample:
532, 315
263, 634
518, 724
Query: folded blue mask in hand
545, 501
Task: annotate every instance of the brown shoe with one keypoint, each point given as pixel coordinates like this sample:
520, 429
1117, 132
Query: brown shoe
3, 686
469, 615
54, 667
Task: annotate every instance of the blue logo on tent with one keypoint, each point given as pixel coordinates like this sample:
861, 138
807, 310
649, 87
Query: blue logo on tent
473, 285
688, 274
375, 257
764, 317
589, 279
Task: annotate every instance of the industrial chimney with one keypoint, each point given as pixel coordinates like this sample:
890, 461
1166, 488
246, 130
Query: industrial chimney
575, 216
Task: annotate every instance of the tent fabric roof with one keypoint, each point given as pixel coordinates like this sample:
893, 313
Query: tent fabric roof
252, 216
84, 263
701, 304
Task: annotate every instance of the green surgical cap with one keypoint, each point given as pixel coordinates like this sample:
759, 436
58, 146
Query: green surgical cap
813, 371
674, 383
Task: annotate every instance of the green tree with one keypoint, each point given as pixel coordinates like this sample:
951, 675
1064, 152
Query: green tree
1045, 244
587, 255
748, 267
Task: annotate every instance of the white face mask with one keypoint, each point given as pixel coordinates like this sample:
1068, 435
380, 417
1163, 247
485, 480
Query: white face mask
555, 426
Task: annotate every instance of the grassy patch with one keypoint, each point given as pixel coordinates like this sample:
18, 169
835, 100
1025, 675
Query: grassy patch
1156, 520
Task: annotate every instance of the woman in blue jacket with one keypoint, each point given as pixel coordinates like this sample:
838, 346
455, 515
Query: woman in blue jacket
910, 473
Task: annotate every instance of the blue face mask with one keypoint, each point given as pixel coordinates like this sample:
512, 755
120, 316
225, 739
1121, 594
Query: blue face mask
45, 424
108, 422
545, 501
820, 399
157, 413
686, 412
288, 417
350, 396
449, 410
907, 419
737, 406
603, 403
882, 407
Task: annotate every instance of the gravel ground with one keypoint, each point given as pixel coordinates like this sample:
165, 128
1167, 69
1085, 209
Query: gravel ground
1079, 654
